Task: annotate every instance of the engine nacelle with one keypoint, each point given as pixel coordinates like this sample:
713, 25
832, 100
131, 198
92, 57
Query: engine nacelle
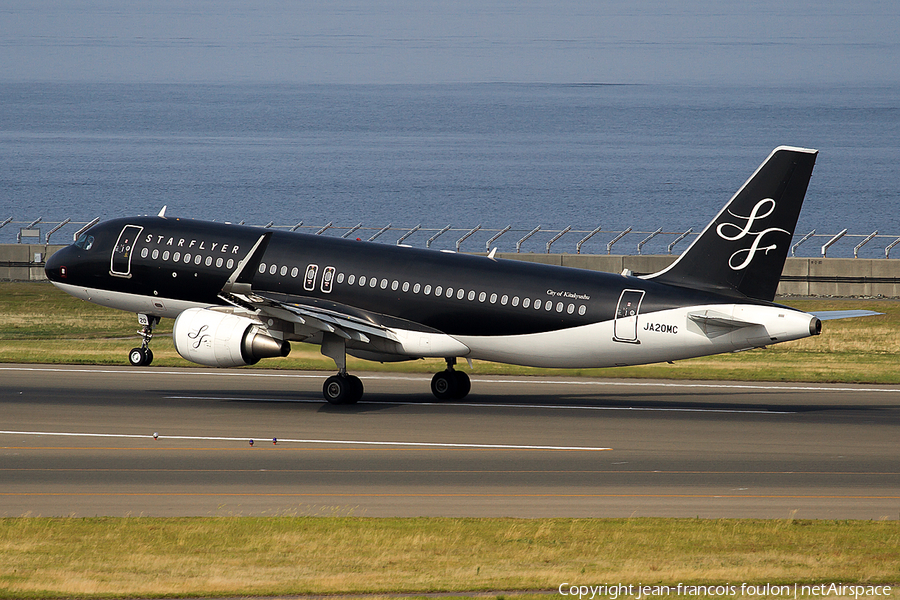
218, 339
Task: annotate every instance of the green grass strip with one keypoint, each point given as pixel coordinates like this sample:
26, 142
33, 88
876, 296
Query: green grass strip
234, 556
40, 324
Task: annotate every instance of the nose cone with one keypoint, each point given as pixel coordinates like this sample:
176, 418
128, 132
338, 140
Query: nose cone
56, 267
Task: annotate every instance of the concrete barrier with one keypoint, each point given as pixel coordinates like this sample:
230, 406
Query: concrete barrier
24, 262
876, 277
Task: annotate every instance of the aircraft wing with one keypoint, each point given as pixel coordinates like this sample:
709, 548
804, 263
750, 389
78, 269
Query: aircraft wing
311, 319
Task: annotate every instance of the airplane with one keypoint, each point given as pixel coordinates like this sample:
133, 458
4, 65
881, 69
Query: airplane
239, 294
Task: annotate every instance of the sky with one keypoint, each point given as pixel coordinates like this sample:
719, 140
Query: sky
426, 41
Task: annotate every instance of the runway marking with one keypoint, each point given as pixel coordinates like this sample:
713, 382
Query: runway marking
494, 405
422, 471
528, 379
452, 495
265, 439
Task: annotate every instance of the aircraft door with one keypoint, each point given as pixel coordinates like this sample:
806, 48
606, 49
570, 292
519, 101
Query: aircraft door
627, 311
120, 263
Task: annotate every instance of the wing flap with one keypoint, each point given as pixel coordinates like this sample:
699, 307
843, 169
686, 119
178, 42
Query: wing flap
313, 318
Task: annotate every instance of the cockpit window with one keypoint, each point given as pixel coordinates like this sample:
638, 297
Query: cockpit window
85, 242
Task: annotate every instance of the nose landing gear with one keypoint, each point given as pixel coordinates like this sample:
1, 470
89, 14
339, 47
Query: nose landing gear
143, 356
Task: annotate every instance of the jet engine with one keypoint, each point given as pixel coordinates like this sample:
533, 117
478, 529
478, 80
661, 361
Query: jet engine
220, 339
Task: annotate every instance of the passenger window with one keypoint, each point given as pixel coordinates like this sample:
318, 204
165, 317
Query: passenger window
526, 302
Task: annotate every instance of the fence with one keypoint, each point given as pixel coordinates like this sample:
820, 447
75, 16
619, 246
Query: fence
576, 240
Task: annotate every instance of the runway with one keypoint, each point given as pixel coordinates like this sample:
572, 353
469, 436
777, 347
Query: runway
80, 441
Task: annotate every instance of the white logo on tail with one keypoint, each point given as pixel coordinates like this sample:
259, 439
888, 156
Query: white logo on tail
767, 205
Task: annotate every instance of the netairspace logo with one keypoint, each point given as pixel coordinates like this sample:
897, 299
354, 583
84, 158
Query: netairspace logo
641, 592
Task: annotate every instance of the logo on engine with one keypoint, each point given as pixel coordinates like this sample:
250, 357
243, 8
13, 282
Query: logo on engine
763, 209
200, 336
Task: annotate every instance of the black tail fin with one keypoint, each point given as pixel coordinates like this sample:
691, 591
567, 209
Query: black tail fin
743, 249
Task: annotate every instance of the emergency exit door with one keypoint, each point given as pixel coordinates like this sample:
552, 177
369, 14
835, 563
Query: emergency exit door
627, 312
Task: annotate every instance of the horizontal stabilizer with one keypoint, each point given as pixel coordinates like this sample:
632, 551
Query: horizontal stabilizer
713, 319
828, 315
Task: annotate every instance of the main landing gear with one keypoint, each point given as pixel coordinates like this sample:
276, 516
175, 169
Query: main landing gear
450, 384
143, 356
342, 388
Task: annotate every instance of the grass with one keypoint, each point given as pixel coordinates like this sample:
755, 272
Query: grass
40, 324
230, 556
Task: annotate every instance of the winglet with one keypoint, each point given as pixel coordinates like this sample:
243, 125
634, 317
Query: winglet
239, 281
742, 250
162, 212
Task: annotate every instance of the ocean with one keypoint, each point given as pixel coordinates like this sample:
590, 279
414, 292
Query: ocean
464, 155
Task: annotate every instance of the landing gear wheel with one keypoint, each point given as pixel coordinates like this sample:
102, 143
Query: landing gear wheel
343, 389
450, 385
444, 385
464, 385
140, 357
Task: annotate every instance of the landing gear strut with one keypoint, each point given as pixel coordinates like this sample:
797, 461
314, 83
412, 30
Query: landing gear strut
450, 384
143, 356
342, 388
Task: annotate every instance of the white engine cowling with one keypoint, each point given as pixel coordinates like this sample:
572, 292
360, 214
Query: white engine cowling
218, 339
